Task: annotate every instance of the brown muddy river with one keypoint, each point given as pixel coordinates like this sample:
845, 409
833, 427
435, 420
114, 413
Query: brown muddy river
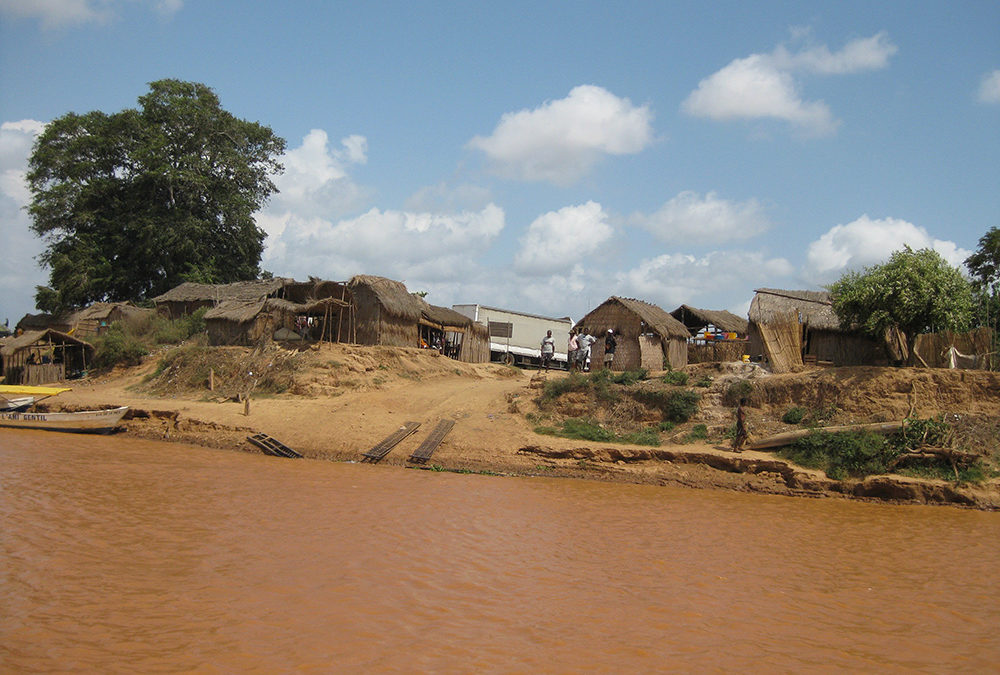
119, 555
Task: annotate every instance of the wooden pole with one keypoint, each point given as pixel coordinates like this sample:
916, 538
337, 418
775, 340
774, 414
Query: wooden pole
211, 379
246, 406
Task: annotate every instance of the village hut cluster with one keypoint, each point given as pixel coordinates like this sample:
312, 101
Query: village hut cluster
784, 329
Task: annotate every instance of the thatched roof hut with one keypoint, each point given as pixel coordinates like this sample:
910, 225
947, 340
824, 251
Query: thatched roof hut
329, 318
44, 320
386, 312
790, 327
695, 319
465, 339
190, 297
96, 319
43, 356
648, 337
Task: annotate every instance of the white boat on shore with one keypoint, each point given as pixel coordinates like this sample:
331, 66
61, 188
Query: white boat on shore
86, 421
16, 404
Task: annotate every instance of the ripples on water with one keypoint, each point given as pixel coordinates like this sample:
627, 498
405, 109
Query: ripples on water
132, 556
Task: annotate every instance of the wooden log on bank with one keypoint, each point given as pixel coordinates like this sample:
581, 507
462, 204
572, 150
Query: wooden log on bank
789, 437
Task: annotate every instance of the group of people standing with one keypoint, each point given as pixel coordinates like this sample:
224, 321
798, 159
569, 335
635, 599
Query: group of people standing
578, 349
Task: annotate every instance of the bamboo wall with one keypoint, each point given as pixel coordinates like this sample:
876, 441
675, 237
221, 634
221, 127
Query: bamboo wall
718, 351
932, 348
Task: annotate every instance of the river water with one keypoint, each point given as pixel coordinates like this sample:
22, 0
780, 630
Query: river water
122, 555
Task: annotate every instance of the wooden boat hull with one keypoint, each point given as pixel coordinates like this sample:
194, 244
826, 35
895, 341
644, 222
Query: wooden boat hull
85, 421
19, 404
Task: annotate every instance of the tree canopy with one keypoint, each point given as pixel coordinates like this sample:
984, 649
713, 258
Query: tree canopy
984, 264
131, 204
915, 291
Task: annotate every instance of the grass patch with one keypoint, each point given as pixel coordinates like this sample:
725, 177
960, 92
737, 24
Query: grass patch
676, 377
793, 415
704, 382
676, 406
586, 429
699, 432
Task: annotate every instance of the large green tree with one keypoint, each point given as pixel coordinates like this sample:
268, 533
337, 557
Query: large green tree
915, 291
132, 203
984, 265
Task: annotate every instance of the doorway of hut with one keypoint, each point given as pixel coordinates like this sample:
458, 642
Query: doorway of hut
447, 342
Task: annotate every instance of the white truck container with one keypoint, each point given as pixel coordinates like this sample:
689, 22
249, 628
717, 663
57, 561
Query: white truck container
516, 337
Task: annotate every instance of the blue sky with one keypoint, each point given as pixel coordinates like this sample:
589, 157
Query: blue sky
543, 156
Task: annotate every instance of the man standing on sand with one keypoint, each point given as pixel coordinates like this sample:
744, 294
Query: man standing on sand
610, 345
571, 348
741, 426
548, 349
583, 349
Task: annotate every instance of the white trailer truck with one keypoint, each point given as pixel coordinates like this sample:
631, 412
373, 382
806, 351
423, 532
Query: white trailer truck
516, 337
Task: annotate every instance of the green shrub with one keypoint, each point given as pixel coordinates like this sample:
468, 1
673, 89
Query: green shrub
738, 390
705, 382
630, 377
682, 406
699, 432
573, 382
174, 331
793, 415
666, 426
676, 377
676, 405
853, 454
115, 347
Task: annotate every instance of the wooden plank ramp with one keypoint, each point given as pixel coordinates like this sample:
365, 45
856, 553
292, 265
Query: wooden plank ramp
389, 442
272, 446
430, 444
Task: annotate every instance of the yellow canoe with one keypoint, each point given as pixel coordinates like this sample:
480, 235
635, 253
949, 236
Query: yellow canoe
8, 390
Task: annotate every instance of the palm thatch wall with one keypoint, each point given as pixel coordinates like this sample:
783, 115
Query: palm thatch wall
786, 326
386, 312
647, 336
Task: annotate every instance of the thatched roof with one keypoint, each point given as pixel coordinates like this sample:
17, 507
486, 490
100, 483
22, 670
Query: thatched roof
103, 310
245, 291
814, 308
241, 312
235, 311
26, 339
42, 321
392, 295
720, 318
443, 316
653, 316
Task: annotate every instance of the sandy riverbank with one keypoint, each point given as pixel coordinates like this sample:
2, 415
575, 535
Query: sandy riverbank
346, 398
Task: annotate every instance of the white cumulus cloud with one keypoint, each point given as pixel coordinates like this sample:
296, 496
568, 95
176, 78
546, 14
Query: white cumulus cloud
670, 280
765, 86
989, 87
55, 14
399, 244
692, 218
19, 274
315, 183
557, 240
866, 241
561, 140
